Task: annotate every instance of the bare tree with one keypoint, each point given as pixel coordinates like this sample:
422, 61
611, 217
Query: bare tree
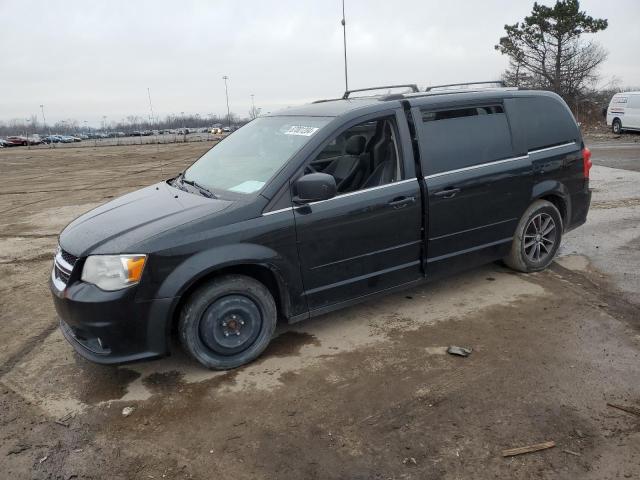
254, 112
547, 50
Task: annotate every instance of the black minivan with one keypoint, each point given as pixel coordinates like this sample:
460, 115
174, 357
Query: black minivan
311, 209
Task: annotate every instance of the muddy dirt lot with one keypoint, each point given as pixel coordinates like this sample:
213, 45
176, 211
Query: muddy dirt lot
365, 393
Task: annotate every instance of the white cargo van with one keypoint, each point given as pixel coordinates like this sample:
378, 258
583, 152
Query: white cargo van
624, 112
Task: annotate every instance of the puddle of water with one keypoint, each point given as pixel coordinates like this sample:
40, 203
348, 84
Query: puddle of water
100, 383
289, 343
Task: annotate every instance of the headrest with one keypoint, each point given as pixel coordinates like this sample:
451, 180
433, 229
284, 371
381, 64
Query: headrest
355, 145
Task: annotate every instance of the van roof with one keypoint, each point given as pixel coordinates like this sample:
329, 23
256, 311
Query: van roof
339, 106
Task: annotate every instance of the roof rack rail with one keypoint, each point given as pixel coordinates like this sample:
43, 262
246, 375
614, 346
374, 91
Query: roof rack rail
325, 100
499, 82
412, 86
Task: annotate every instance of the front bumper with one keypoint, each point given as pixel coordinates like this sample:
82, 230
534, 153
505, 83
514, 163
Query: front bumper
112, 327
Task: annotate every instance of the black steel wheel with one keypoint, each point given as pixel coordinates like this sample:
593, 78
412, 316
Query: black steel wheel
228, 322
537, 238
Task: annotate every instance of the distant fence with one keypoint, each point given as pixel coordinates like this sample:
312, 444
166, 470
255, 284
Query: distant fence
137, 140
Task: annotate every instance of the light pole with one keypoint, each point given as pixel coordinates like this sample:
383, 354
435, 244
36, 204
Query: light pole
44, 121
26, 129
226, 91
184, 129
344, 37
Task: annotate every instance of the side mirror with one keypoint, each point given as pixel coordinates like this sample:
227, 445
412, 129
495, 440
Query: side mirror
315, 187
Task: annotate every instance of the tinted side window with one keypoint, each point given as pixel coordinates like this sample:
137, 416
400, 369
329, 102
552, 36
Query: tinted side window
463, 137
363, 156
542, 122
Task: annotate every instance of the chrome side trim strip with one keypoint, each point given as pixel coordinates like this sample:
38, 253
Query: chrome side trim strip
273, 212
365, 190
551, 148
348, 194
475, 167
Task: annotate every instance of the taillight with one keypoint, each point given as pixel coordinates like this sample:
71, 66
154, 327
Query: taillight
586, 162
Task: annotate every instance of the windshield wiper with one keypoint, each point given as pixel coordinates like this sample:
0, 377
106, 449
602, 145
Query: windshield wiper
203, 190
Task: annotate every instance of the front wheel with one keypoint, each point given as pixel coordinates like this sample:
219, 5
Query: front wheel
537, 238
616, 127
228, 322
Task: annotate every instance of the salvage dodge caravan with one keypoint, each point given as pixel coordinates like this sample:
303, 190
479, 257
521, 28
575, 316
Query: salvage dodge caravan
315, 208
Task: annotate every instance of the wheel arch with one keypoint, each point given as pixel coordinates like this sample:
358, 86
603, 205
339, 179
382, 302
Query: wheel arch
556, 193
255, 261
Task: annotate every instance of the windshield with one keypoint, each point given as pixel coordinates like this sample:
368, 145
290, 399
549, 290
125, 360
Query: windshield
244, 161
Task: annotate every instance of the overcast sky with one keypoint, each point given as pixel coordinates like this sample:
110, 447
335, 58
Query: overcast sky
85, 59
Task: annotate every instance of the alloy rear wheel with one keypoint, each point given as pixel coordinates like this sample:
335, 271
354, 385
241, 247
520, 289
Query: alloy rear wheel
537, 238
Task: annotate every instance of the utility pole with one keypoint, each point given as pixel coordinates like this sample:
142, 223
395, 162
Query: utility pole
150, 105
226, 91
344, 37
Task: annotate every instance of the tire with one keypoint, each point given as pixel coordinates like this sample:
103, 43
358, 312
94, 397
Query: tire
539, 249
616, 126
227, 322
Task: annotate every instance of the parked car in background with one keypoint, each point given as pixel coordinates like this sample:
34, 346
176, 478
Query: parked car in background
624, 112
3, 143
316, 208
216, 131
17, 140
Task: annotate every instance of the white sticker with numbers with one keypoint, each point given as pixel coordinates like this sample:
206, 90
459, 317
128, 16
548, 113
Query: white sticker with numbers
301, 130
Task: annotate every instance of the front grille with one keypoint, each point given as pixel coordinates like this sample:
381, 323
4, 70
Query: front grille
62, 268
67, 257
61, 274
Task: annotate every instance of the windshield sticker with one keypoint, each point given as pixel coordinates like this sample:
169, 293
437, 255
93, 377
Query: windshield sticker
301, 130
249, 186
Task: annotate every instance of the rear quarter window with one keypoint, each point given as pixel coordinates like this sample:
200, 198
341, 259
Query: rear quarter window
541, 122
462, 137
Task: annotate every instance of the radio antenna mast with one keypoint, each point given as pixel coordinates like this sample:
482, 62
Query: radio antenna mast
344, 37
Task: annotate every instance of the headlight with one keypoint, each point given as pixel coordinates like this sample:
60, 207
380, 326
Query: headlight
113, 272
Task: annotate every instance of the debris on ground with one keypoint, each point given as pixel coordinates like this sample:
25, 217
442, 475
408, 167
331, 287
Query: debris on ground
43, 459
409, 460
624, 408
570, 452
458, 351
528, 449
126, 411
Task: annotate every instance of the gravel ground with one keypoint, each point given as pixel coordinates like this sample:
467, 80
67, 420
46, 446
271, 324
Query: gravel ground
367, 392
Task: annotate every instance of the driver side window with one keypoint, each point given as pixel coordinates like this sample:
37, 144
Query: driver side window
363, 156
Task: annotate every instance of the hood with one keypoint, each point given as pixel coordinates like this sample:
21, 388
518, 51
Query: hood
119, 225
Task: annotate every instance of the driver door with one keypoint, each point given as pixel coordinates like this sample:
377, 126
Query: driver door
367, 238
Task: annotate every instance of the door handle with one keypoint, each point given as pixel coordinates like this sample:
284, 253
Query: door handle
448, 192
401, 202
